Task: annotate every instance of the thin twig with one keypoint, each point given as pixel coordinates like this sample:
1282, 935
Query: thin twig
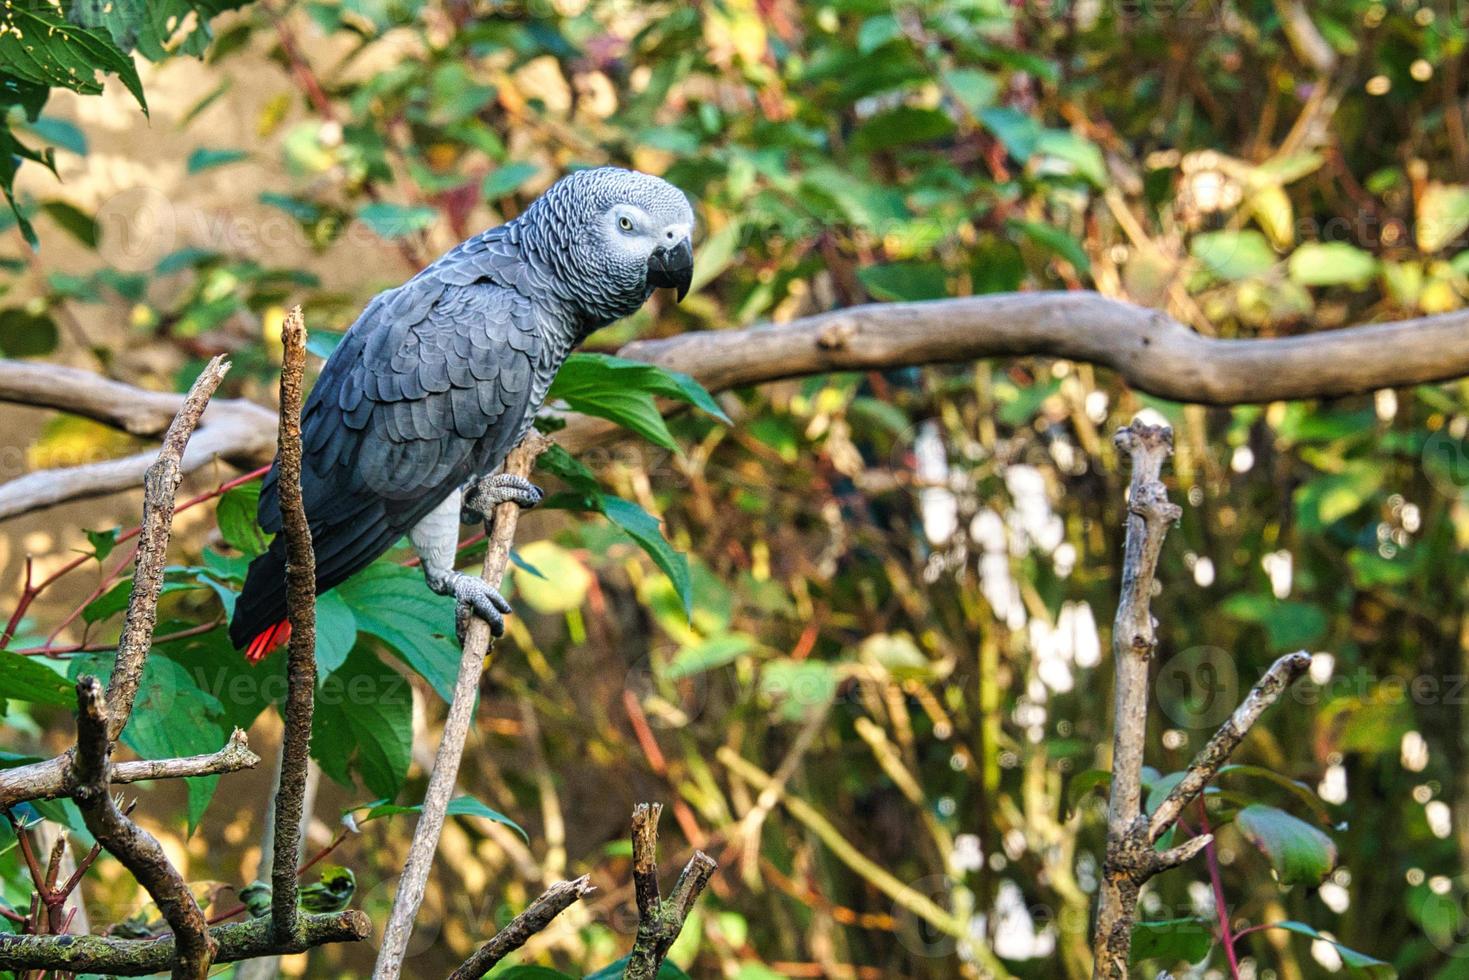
659, 921
537, 916
54, 777
1217, 751
456, 729
138, 850
301, 612
160, 485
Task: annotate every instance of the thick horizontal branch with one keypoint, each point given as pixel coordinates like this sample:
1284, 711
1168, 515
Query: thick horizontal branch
141, 957
1151, 351
232, 429
53, 778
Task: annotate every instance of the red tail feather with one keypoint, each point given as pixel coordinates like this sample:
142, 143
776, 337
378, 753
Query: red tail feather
266, 643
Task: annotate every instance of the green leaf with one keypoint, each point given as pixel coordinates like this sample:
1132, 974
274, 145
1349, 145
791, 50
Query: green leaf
901, 126
336, 632
1296, 850
29, 679
26, 334
709, 654
459, 806
531, 972
102, 542
1297, 788
899, 282
1331, 264
975, 90
1233, 255
1055, 241
206, 159
557, 581
364, 724
1020, 133
622, 391
393, 604
323, 342
172, 716
1289, 625
507, 179
614, 971
877, 31
1085, 783
40, 45
1443, 215
1078, 152
644, 528
60, 132
235, 515
1350, 958
1172, 940
572, 471
397, 220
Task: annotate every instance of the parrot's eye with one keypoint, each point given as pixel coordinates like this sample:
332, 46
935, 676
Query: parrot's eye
625, 223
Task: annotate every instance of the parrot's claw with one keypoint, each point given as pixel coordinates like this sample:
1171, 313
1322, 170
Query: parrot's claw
483, 497
474, 597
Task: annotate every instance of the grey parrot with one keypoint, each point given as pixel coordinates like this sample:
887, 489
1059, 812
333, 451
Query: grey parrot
439, 378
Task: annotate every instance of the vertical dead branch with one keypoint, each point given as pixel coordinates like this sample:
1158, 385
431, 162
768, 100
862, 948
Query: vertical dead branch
659, 922
301, 663
456, 729
1149, 512
160, 485
1131, 857
138, 851
537, 916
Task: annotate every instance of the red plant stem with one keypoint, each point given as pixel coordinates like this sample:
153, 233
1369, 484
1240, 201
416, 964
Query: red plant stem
31, 591
50, 651
1226, 938
27, 596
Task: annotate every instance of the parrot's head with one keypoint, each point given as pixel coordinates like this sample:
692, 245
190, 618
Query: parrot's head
619, 235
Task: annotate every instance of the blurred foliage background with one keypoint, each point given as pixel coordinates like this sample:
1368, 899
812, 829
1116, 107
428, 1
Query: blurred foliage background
885, 715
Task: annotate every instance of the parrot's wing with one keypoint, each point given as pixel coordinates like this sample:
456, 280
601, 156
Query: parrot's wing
434, 383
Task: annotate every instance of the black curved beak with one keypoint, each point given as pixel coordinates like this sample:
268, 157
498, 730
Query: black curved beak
672, 268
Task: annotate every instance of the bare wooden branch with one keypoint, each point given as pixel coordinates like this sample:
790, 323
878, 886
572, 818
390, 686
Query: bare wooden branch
1131, 857
537, 916
54, 777
1152, 352
456, 729
160, 486
141, 957
1206, 765
137, 849
301, 612
1129, 851
659, 922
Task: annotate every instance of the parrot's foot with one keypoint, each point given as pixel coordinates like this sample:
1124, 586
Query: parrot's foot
487, 494
474, 597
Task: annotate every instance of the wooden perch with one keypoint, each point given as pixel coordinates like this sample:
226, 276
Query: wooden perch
1151, 351
411, 885
1131, 856
537, 916
659, 921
